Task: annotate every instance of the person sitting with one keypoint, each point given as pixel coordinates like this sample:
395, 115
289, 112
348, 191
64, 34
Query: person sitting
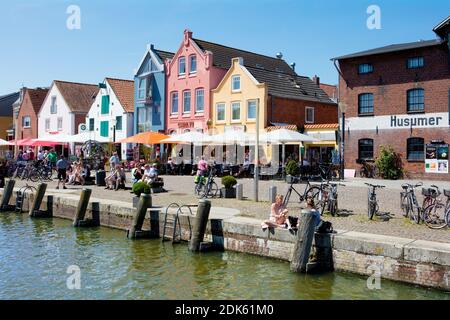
120, 177
170, 167
278, 215
86, 174
136, 173
152, 175
111, 180
146, 174
311, 208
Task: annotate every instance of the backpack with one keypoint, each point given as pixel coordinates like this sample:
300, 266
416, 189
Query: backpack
324, 227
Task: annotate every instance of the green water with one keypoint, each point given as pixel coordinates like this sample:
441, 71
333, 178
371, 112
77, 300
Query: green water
35, 255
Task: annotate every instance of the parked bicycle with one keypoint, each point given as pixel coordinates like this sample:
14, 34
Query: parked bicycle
410, 205
330, 198
310, 191
372, 202
437, 215
327, 171
207, 188
368, 170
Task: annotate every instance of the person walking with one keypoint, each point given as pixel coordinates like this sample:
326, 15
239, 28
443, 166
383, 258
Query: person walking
62, 166
52, 157
114, 161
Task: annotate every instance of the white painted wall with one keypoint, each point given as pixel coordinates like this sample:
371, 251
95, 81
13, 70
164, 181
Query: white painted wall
115, 109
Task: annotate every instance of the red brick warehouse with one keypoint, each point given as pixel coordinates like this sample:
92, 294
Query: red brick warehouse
398, 95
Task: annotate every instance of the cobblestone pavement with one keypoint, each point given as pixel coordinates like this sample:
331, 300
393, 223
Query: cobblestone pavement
352, 202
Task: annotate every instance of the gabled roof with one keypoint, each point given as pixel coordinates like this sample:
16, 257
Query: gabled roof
392, 48
290, 86
78, 96
440, 28
37, 97
6, 104
222, 56
124, 91
163, 55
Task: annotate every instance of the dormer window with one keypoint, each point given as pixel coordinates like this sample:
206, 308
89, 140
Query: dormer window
365, 68
236, 83
192, 64
182, 66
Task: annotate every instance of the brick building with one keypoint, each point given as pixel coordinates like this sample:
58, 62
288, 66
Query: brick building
27, 124
398, 95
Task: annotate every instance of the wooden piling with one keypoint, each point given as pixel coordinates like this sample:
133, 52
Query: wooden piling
198, 232
7, 193
34, 209
82, 207
141, 211
303, 243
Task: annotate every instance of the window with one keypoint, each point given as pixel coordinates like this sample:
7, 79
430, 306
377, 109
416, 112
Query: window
365, 149
186, 102
365, 68
309, 115
415, 100
365, 103
220, 110
416, 62
141, 89
193, 63
415, 149
236, 111
199, 100
60, 124
53, 107
251, 109
236, 83
105, 105
148, 87
91, 124
119, 123
104, 128
174, 102
181, 66
144, 117
47, 124
26, 122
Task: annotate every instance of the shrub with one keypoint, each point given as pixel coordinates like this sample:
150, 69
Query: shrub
229, 181
389, 163
292, 168
141, 187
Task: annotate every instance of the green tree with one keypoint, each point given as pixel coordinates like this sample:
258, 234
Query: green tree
389, 163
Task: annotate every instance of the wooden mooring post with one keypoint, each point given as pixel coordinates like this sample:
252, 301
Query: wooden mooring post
80, 213
35, 211
198, 231
136, 232
303, 243
7, 193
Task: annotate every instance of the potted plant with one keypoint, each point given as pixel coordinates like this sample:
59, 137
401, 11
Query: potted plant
139, 188
292, 171
228, 191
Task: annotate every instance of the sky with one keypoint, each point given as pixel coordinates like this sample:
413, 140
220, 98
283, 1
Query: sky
37, 47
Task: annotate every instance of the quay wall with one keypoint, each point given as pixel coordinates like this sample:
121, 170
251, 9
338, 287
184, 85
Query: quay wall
418, 262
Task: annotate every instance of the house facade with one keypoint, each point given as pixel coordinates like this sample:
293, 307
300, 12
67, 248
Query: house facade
6, 114
399, 95
150, 91
27, 118
112, 113
65, 107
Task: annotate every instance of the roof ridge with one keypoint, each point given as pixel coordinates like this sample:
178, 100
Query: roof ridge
86, 84
164, 51
110, 78
259, 54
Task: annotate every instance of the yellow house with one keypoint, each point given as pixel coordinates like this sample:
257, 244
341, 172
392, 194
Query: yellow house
235, 100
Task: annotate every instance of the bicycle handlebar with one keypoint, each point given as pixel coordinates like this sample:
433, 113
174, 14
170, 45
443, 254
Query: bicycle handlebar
375, 186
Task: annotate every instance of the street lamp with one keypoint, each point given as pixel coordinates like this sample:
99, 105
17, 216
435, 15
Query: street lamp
114, 123
342, 109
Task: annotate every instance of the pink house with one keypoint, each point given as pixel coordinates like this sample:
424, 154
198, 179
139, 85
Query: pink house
191, 74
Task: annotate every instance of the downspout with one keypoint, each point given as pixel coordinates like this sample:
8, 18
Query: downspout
341, 131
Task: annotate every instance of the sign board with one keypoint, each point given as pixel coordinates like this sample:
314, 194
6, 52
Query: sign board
82, 127
436, 158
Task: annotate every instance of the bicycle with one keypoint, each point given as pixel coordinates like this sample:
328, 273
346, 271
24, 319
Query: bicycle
368, 170
330, 202
310, 191
327, 171
209, 188
437, 215
410, 205
372, 202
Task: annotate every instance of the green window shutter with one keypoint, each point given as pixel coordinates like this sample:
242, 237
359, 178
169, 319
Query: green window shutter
104, 128
119, 123
105, 104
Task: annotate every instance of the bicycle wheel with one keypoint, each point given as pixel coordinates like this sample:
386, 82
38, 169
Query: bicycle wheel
404, 204
198, 189
317, 194
213, 189
375, 172
333, 207
34, 176
415, 213
435, 216
362, 173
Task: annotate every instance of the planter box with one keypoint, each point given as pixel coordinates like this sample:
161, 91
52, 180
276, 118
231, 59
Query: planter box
228, 193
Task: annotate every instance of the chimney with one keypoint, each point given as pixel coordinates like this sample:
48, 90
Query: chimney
293, 66
316, 80
187, 36
279, 55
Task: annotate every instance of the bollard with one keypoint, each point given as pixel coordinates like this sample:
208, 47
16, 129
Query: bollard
154, 223
7, 193
324, 254
34, 209
303, 243
144, 203
198, 232
82, 206
239, 191
272, 193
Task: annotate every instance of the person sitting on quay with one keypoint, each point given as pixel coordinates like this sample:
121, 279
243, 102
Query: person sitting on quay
151, 175
114, 161
136, 173
120, 177
111, 179
278, 215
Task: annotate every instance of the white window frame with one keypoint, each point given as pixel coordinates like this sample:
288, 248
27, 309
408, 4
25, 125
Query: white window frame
172, 95
233, 82
197, 91
53, 105
248, 105
23, 122
179, 66
60, 120
184, 101
224, 112
47, 124
190, 64
313, 114
232, 109
142, 82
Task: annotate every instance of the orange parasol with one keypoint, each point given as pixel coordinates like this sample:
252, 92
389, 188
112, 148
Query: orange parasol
145, 138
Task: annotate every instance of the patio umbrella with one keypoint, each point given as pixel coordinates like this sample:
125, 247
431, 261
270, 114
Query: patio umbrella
233, 137
145, 138
193, 137
77, 138
23, 142
5, 143
42, 143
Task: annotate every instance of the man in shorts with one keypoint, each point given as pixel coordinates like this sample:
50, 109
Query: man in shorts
62, 166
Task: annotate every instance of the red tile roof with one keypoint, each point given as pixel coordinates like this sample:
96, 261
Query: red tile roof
37, 97
124, 90
292, 127
79, 96
322, 126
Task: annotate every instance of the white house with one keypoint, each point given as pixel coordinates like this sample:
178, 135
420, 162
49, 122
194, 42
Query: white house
65, 108
111, 113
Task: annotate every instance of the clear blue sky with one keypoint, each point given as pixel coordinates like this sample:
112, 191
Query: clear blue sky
36, 47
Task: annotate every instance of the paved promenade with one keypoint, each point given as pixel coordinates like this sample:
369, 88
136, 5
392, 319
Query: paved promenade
352, 202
